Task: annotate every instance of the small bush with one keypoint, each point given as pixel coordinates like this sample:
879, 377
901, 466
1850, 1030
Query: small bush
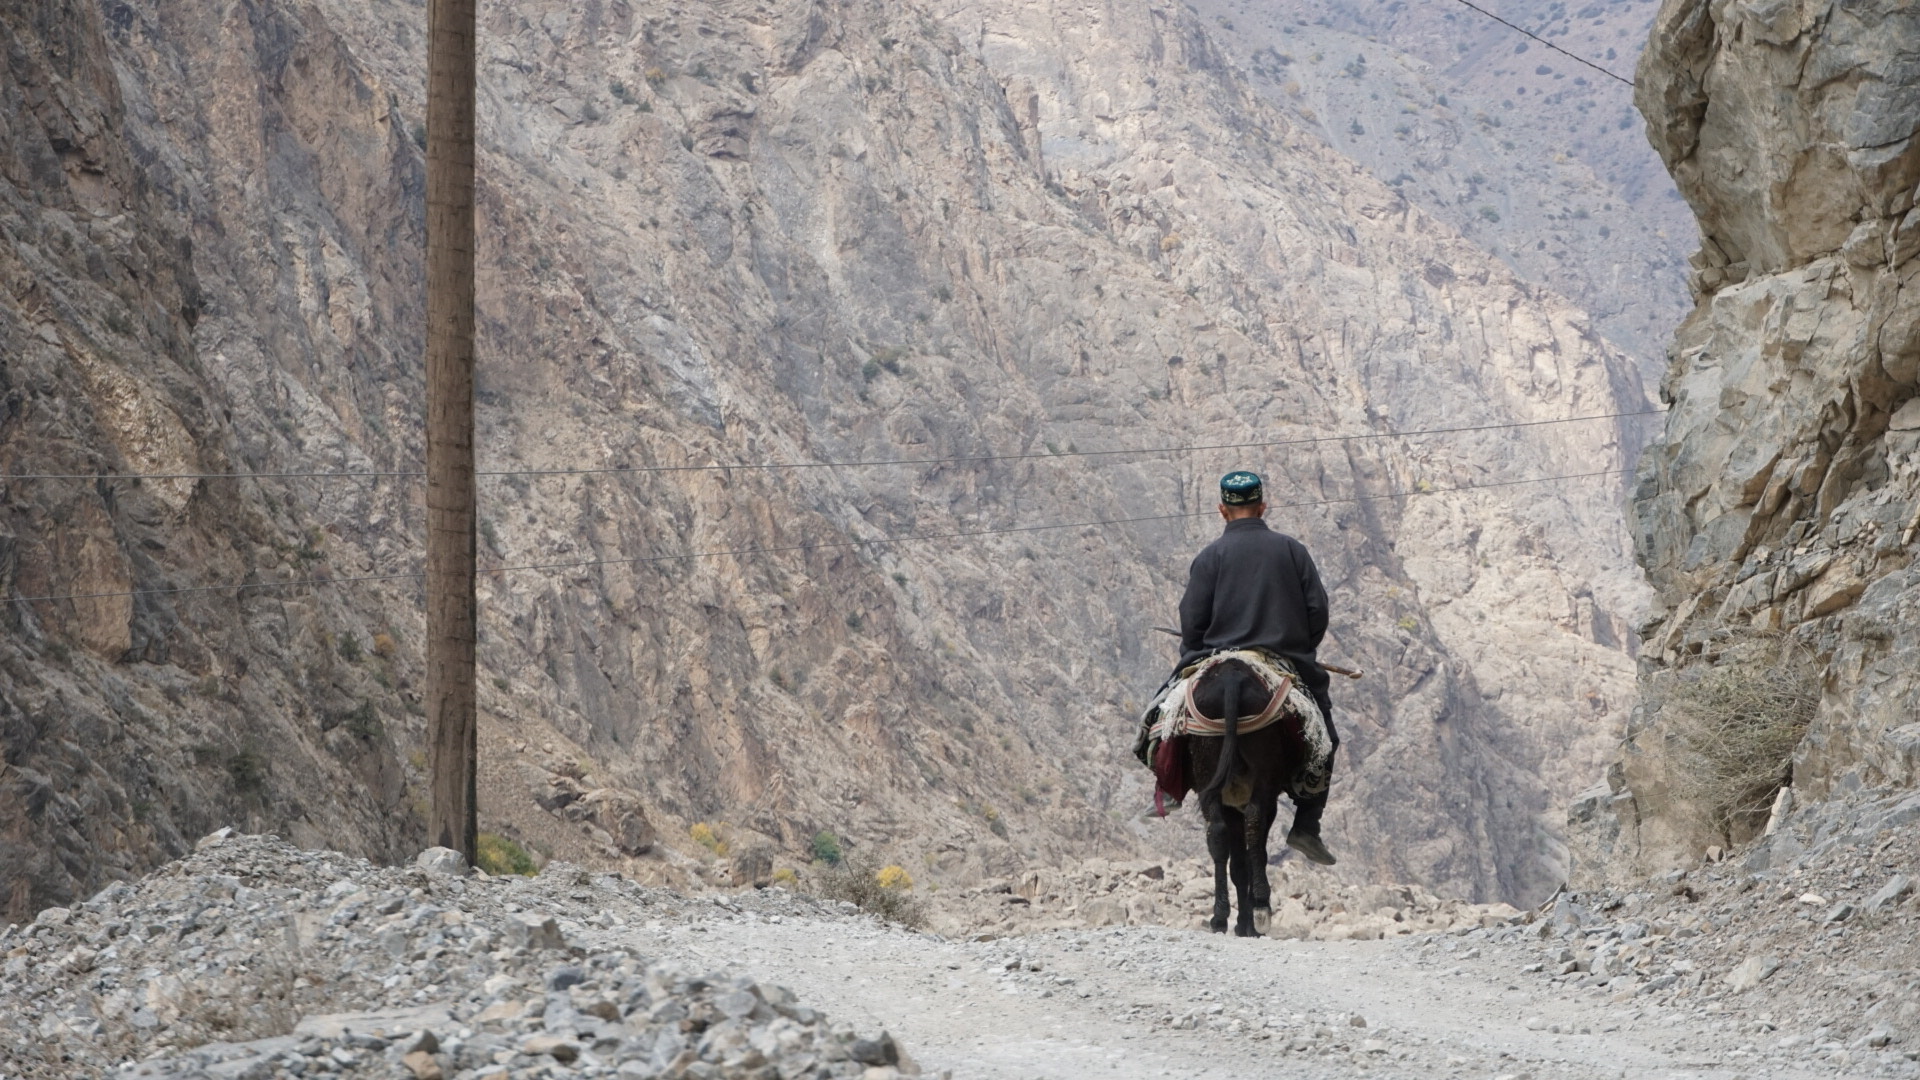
248, 771
894, 877
859, 884
383, 646
498, 855
349, 647
826, 848
786, 878
707, 837
1734, 716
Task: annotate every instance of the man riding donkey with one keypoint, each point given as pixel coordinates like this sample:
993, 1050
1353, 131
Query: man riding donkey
1253, 595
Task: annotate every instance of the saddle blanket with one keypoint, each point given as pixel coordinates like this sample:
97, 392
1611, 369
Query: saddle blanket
1173, 716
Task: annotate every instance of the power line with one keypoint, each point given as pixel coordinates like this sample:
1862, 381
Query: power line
809, 546
1544, 41
243, 586
840, 544
850, 464
1047, 454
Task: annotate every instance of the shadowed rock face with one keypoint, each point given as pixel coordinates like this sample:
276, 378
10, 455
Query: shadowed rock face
725, 234
1785, 491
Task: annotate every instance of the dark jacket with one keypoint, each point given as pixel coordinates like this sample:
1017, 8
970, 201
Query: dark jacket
1254, 587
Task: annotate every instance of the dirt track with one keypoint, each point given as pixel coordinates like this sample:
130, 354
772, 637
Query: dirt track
1146, 1002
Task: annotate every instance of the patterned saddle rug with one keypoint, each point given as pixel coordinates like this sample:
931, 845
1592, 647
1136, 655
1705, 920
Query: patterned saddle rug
1174, 717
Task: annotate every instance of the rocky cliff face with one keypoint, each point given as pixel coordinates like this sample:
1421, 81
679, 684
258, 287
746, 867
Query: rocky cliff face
1535, 157
1786, 492
999, 236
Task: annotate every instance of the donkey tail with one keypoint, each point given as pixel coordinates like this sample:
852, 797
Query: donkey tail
1228, 740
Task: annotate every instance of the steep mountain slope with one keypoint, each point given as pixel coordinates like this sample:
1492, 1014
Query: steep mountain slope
1534, 156
1784, 495
728, 233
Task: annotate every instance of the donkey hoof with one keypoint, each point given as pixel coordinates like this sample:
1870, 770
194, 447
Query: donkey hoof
1262, 920
1245, 929
1217, 925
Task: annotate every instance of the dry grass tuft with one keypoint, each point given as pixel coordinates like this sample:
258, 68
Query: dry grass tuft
1734, 715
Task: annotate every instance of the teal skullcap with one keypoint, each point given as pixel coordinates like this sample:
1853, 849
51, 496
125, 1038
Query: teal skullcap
1240, 487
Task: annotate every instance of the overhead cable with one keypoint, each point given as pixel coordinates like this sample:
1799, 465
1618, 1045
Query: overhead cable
849, 464
1544, 41
809, 546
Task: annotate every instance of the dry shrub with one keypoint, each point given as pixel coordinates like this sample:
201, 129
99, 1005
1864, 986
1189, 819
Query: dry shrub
858, 883
709, 837
1734, 715
499, 856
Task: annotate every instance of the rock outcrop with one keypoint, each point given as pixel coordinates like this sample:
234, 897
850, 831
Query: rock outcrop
1785, 494
981, 239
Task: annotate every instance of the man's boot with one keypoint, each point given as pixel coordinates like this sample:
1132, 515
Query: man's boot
1304, 837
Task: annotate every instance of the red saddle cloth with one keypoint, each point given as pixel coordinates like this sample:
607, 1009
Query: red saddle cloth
1170, 774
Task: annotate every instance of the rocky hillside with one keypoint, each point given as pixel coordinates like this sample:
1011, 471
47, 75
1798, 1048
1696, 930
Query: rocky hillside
998, 236
1785, 493
1535, 156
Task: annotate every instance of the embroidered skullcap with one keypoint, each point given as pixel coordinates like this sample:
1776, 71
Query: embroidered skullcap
1240, 487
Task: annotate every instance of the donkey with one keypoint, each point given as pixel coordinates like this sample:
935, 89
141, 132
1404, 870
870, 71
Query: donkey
1249, 772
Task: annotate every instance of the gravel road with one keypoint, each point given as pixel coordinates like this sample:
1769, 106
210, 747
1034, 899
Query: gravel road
253, 960
1150, 1002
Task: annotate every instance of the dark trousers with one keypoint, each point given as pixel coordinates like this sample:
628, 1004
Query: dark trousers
1308, 808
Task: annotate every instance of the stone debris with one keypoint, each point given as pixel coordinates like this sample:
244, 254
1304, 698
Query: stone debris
1752, 972
253, 960
1897, 889
1308, 903
440, 860
1812, 928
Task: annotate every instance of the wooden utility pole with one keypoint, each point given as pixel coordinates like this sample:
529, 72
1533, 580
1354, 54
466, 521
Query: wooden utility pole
451, 606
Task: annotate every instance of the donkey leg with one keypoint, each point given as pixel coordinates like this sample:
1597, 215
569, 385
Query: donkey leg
1259, 825
1240, 871
1219, 845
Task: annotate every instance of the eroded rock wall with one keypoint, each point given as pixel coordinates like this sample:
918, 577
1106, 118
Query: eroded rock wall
726, 232
1785, 494
130, 724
